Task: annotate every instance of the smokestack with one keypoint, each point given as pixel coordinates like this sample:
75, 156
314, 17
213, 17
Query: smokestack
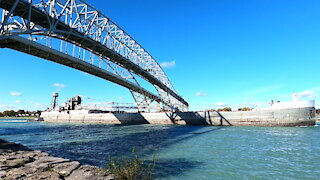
54, 104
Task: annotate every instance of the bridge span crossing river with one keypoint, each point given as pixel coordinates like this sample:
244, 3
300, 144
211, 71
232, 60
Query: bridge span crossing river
182, 152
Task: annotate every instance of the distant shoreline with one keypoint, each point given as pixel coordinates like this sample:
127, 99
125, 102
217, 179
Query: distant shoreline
28, 117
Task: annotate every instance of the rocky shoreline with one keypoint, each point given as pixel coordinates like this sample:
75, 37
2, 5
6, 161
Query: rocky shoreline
20, 162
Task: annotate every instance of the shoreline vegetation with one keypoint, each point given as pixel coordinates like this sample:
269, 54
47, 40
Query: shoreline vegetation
131, 168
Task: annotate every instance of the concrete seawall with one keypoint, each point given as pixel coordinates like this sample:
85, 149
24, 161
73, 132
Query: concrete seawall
283, 117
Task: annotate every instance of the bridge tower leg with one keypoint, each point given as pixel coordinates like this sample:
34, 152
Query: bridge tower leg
143, 103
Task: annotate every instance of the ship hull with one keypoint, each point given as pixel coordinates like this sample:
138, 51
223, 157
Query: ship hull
268, 117
280, 117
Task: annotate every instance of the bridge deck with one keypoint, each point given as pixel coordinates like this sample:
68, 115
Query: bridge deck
24, 45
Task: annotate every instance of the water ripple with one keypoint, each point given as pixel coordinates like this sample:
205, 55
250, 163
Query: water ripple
183, 152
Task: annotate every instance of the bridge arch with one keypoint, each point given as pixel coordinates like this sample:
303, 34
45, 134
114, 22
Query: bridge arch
75, 34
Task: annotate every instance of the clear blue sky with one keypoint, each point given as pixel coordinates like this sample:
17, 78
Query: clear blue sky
223, 53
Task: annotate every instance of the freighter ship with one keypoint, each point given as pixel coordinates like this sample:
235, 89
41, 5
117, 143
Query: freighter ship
293, 113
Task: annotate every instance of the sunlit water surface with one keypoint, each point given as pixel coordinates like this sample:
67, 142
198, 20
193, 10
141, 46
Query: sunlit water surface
182, 152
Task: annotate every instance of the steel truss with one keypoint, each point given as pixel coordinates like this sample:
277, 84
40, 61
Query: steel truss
79, 30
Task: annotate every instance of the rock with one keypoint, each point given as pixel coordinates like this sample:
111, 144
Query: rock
44, 175
15, 160
46, 162
86, 172
19, 162
65, 169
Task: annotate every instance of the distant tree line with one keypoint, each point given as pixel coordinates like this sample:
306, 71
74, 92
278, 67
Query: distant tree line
244, 109
225, 109
19, 113
222, 109
229, 109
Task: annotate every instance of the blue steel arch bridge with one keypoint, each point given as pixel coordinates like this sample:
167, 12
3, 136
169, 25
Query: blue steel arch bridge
75, 34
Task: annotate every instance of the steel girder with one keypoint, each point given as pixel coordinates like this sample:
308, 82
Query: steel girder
82, 26
92, 66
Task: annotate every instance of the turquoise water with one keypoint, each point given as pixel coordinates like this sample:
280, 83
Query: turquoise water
182, 152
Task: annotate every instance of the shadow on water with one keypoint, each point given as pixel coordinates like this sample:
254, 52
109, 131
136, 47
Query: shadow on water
173, 167
97, 152
9, 146
145, 142
95, 144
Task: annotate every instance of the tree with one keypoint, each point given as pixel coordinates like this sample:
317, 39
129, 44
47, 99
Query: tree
28, 113
10, 113
1, 114
244, 109
225, 109
21, 111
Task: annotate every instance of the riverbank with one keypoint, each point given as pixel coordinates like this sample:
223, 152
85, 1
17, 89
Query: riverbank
27, 117
20, 162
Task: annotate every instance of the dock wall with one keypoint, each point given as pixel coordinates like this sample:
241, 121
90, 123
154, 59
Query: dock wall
283, 117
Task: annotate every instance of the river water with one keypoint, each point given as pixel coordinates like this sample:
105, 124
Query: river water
181, 152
